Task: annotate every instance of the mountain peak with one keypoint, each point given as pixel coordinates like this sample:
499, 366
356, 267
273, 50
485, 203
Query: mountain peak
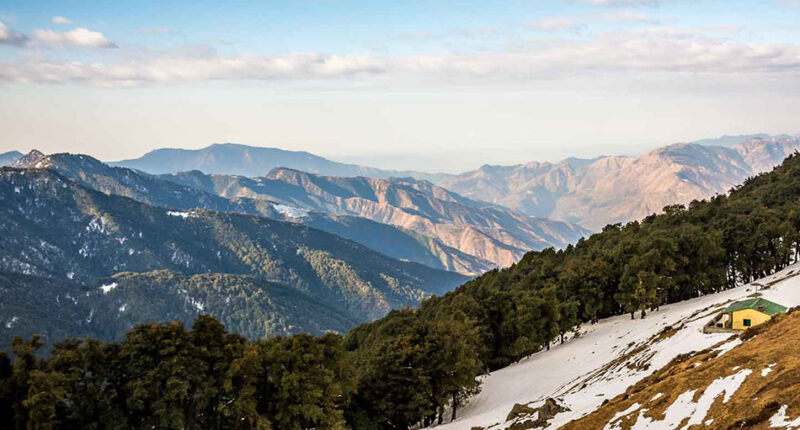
29, 159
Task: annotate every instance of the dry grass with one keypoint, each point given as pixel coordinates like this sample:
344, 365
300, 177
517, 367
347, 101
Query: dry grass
752, 405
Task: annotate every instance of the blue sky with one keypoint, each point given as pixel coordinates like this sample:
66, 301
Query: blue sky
396, 84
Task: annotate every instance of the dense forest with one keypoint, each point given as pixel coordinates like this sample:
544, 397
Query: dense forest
411, 366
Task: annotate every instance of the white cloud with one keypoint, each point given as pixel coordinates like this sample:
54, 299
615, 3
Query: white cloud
190, 69
61, 20
655, 51
79, 36
557, 23
626, 15
579, 22
11, 37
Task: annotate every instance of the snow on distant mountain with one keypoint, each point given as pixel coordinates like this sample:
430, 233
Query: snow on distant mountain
607, 190
608, 357
28, 160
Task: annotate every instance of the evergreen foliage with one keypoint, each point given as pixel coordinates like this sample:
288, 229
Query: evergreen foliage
167, 377
412, 366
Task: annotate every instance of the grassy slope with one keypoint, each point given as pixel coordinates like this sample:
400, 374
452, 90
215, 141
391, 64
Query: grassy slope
754, 404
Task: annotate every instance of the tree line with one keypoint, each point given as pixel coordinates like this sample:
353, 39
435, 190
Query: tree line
412, 366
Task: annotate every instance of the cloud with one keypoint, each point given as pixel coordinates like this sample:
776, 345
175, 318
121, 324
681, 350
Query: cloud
191, 69
652, 51
627, 15
557, 23
61, 20
79, 37
579, 22
11, 37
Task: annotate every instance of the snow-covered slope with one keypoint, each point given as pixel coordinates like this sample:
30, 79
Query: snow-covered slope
608, 357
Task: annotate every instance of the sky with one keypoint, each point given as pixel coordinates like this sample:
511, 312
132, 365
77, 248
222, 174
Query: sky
426, 85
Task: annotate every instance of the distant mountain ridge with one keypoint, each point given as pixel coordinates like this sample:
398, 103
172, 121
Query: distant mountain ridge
588, 192
9, 157
733, 140
482, 230
620, 189
244, 160
194, 192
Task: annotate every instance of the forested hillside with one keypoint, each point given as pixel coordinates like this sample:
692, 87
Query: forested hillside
413, 365
57, 230
685, 252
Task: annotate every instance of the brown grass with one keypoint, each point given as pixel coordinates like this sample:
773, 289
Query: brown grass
753, 404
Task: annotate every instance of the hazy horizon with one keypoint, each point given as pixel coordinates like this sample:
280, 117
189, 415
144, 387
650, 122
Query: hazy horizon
419, 85
402, 161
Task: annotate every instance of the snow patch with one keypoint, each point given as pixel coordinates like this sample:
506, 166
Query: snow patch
97, 225
200, 306
291, 211
781, 420
727, 346
684, 407
183, 215
765, 371
613, 423
108, 287
11, 322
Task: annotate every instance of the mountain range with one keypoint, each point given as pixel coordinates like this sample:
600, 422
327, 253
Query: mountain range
88, 249
63, 233
484, 231
607, 190
236, 159
589, 192
404, 218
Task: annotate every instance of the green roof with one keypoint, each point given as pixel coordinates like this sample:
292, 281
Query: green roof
759, 304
